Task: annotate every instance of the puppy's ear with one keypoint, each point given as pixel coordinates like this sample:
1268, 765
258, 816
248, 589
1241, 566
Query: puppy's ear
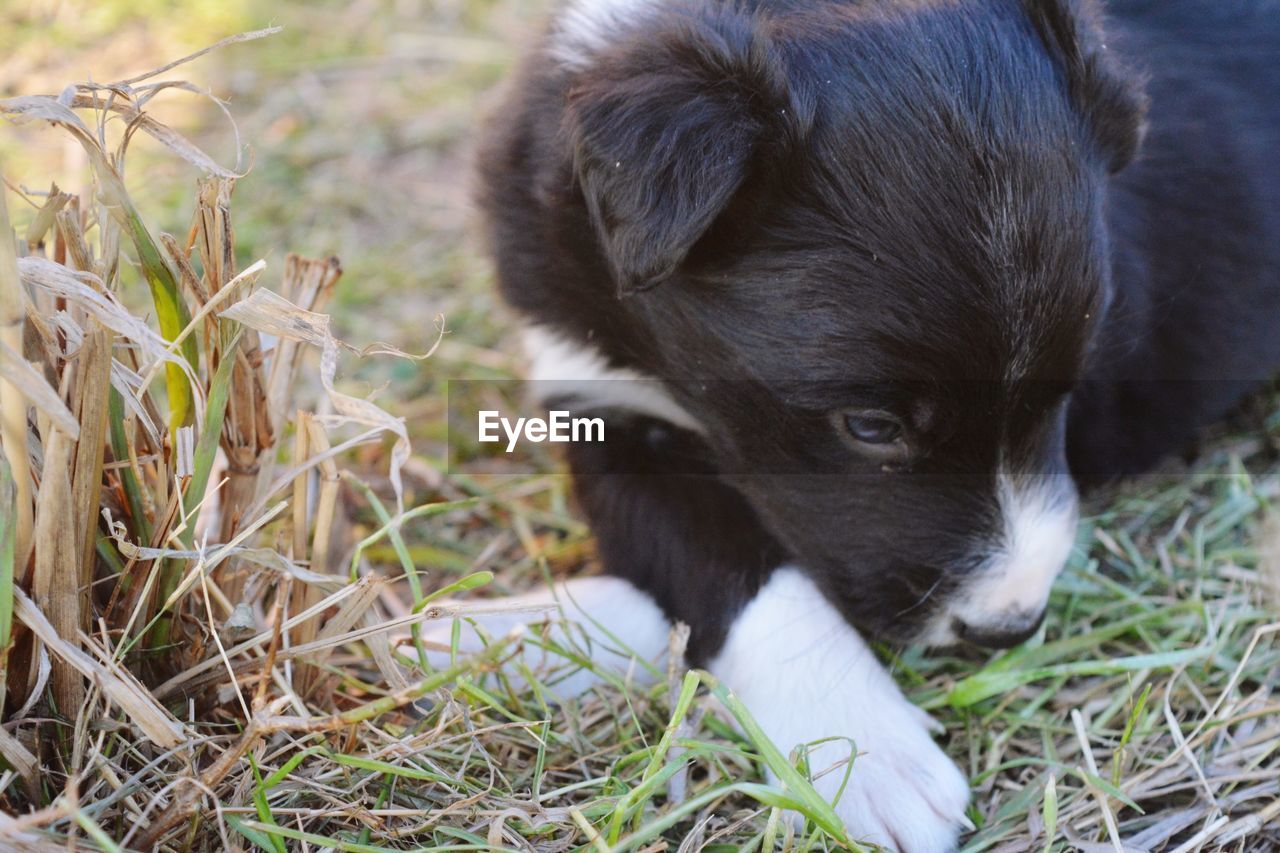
667, 127
1111, 96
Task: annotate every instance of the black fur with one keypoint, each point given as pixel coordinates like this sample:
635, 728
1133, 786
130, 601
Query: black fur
972, 215
664, 522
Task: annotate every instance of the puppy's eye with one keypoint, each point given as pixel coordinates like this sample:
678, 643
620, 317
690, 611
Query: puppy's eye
872, 429
876, 435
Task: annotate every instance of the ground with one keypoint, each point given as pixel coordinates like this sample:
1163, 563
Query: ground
1145, 710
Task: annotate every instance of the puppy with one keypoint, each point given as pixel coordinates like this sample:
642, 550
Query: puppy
864, 289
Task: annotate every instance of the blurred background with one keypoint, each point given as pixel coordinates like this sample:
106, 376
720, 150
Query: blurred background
357, 123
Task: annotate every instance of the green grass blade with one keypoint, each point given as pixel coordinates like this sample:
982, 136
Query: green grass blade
95, 832
1107, 788
265, 836
120, 452
1025, 657
986, 684
1117, 757
1050, 810
394, 524
393, 533
475, 580
763, 794
687, 691
806, 799
211, 432
289, 766
171, 312
259, 839
263, 807
385, 768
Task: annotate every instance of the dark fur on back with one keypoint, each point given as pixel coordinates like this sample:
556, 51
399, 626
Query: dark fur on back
1195, 226
973, 213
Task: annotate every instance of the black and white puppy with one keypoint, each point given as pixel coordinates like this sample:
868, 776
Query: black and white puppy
865, 287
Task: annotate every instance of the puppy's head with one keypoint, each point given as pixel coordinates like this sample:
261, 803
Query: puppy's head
864, 244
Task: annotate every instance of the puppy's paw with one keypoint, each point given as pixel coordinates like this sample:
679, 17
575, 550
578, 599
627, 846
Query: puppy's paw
808, 678
903, 792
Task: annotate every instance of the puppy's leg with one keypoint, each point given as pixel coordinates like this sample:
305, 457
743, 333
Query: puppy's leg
602, 619
806, 675
678, 543
664, 520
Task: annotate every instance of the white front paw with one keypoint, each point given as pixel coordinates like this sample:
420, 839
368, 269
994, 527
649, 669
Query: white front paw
808, 678
902, 792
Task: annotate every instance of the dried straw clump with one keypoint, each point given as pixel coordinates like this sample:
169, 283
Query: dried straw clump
139, 664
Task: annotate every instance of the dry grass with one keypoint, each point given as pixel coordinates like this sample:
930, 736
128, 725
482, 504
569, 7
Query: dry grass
128, 448
209, 590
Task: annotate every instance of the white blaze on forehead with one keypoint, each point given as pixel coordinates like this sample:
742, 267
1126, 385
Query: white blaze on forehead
561, 369
585, 28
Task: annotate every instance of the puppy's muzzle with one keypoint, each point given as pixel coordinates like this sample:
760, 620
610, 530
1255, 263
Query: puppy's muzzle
1002, 634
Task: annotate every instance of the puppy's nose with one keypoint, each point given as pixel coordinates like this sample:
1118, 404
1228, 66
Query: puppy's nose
1001, 635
